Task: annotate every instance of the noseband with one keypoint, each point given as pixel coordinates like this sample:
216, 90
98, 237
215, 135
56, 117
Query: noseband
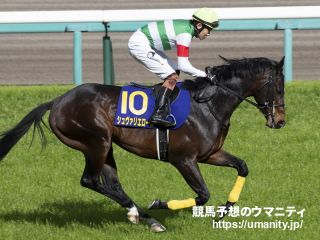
269, 104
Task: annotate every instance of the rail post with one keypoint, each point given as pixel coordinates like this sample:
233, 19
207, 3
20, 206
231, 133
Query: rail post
77, 57
288, 54
108, 67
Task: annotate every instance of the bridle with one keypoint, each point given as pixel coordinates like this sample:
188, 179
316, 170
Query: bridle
269, 104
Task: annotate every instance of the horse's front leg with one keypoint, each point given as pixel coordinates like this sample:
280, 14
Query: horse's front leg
190, 171
222, 158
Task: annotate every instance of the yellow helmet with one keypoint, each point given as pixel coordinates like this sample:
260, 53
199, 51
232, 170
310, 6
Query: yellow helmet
206, 16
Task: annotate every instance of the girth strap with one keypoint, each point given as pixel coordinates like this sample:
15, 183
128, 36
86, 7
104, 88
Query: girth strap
162, 140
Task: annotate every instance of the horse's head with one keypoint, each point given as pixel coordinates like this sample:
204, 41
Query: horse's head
261, 78
269, 94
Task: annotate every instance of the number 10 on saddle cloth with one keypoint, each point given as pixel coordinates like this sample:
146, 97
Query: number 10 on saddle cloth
135, 106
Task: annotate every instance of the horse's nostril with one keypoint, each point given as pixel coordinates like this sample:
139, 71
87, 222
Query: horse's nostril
281, 123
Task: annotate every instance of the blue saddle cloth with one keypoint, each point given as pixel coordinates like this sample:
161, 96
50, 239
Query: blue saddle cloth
135, 106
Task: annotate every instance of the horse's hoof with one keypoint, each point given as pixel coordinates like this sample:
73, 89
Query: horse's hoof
157, 227
133, 218
157, 204
227, 207
133, 215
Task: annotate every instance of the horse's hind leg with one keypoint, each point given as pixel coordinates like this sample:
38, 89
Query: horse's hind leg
101, 177
106, 182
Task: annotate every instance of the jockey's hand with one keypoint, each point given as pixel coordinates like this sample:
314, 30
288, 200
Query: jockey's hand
171, 81
210, 74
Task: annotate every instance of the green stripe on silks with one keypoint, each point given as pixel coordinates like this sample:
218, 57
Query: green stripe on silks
145, 30
163, 35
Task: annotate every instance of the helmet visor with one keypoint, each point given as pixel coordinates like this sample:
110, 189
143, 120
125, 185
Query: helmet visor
207, 24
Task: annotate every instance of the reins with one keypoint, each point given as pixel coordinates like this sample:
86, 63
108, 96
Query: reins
213, 81
269, 105
270, 98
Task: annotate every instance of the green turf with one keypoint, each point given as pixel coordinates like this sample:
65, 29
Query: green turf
41, 198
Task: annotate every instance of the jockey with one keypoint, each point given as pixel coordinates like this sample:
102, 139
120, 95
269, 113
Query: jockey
147, 46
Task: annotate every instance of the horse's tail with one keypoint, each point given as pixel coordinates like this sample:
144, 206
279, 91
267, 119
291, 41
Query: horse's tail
9, 138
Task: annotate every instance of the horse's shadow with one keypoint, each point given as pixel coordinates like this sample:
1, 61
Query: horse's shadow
63, 213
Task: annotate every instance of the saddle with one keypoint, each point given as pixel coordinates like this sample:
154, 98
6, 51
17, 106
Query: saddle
136, 104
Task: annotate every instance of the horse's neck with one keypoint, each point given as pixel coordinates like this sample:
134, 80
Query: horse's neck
224, 103
222, 106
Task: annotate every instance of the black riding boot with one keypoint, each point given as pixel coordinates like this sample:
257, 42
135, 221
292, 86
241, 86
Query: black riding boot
161, 112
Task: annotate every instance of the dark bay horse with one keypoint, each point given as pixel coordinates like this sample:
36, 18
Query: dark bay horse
83, 118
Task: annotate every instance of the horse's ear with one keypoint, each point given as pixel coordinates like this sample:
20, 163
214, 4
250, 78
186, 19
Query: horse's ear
224, 59
208, 70
280, 64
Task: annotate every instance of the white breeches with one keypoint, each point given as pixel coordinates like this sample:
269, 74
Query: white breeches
155, 61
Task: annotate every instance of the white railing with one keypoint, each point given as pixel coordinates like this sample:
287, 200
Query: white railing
246, 18
156, 14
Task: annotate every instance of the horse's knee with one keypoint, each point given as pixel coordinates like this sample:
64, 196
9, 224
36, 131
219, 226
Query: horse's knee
203, 198
243, 169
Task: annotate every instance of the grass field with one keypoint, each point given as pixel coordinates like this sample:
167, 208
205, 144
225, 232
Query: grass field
41, 198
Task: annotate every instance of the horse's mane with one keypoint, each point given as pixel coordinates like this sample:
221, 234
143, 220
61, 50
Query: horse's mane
245, 68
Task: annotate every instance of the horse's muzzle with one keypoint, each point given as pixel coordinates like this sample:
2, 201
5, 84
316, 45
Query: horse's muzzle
281, 124
276, 125
275, 121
